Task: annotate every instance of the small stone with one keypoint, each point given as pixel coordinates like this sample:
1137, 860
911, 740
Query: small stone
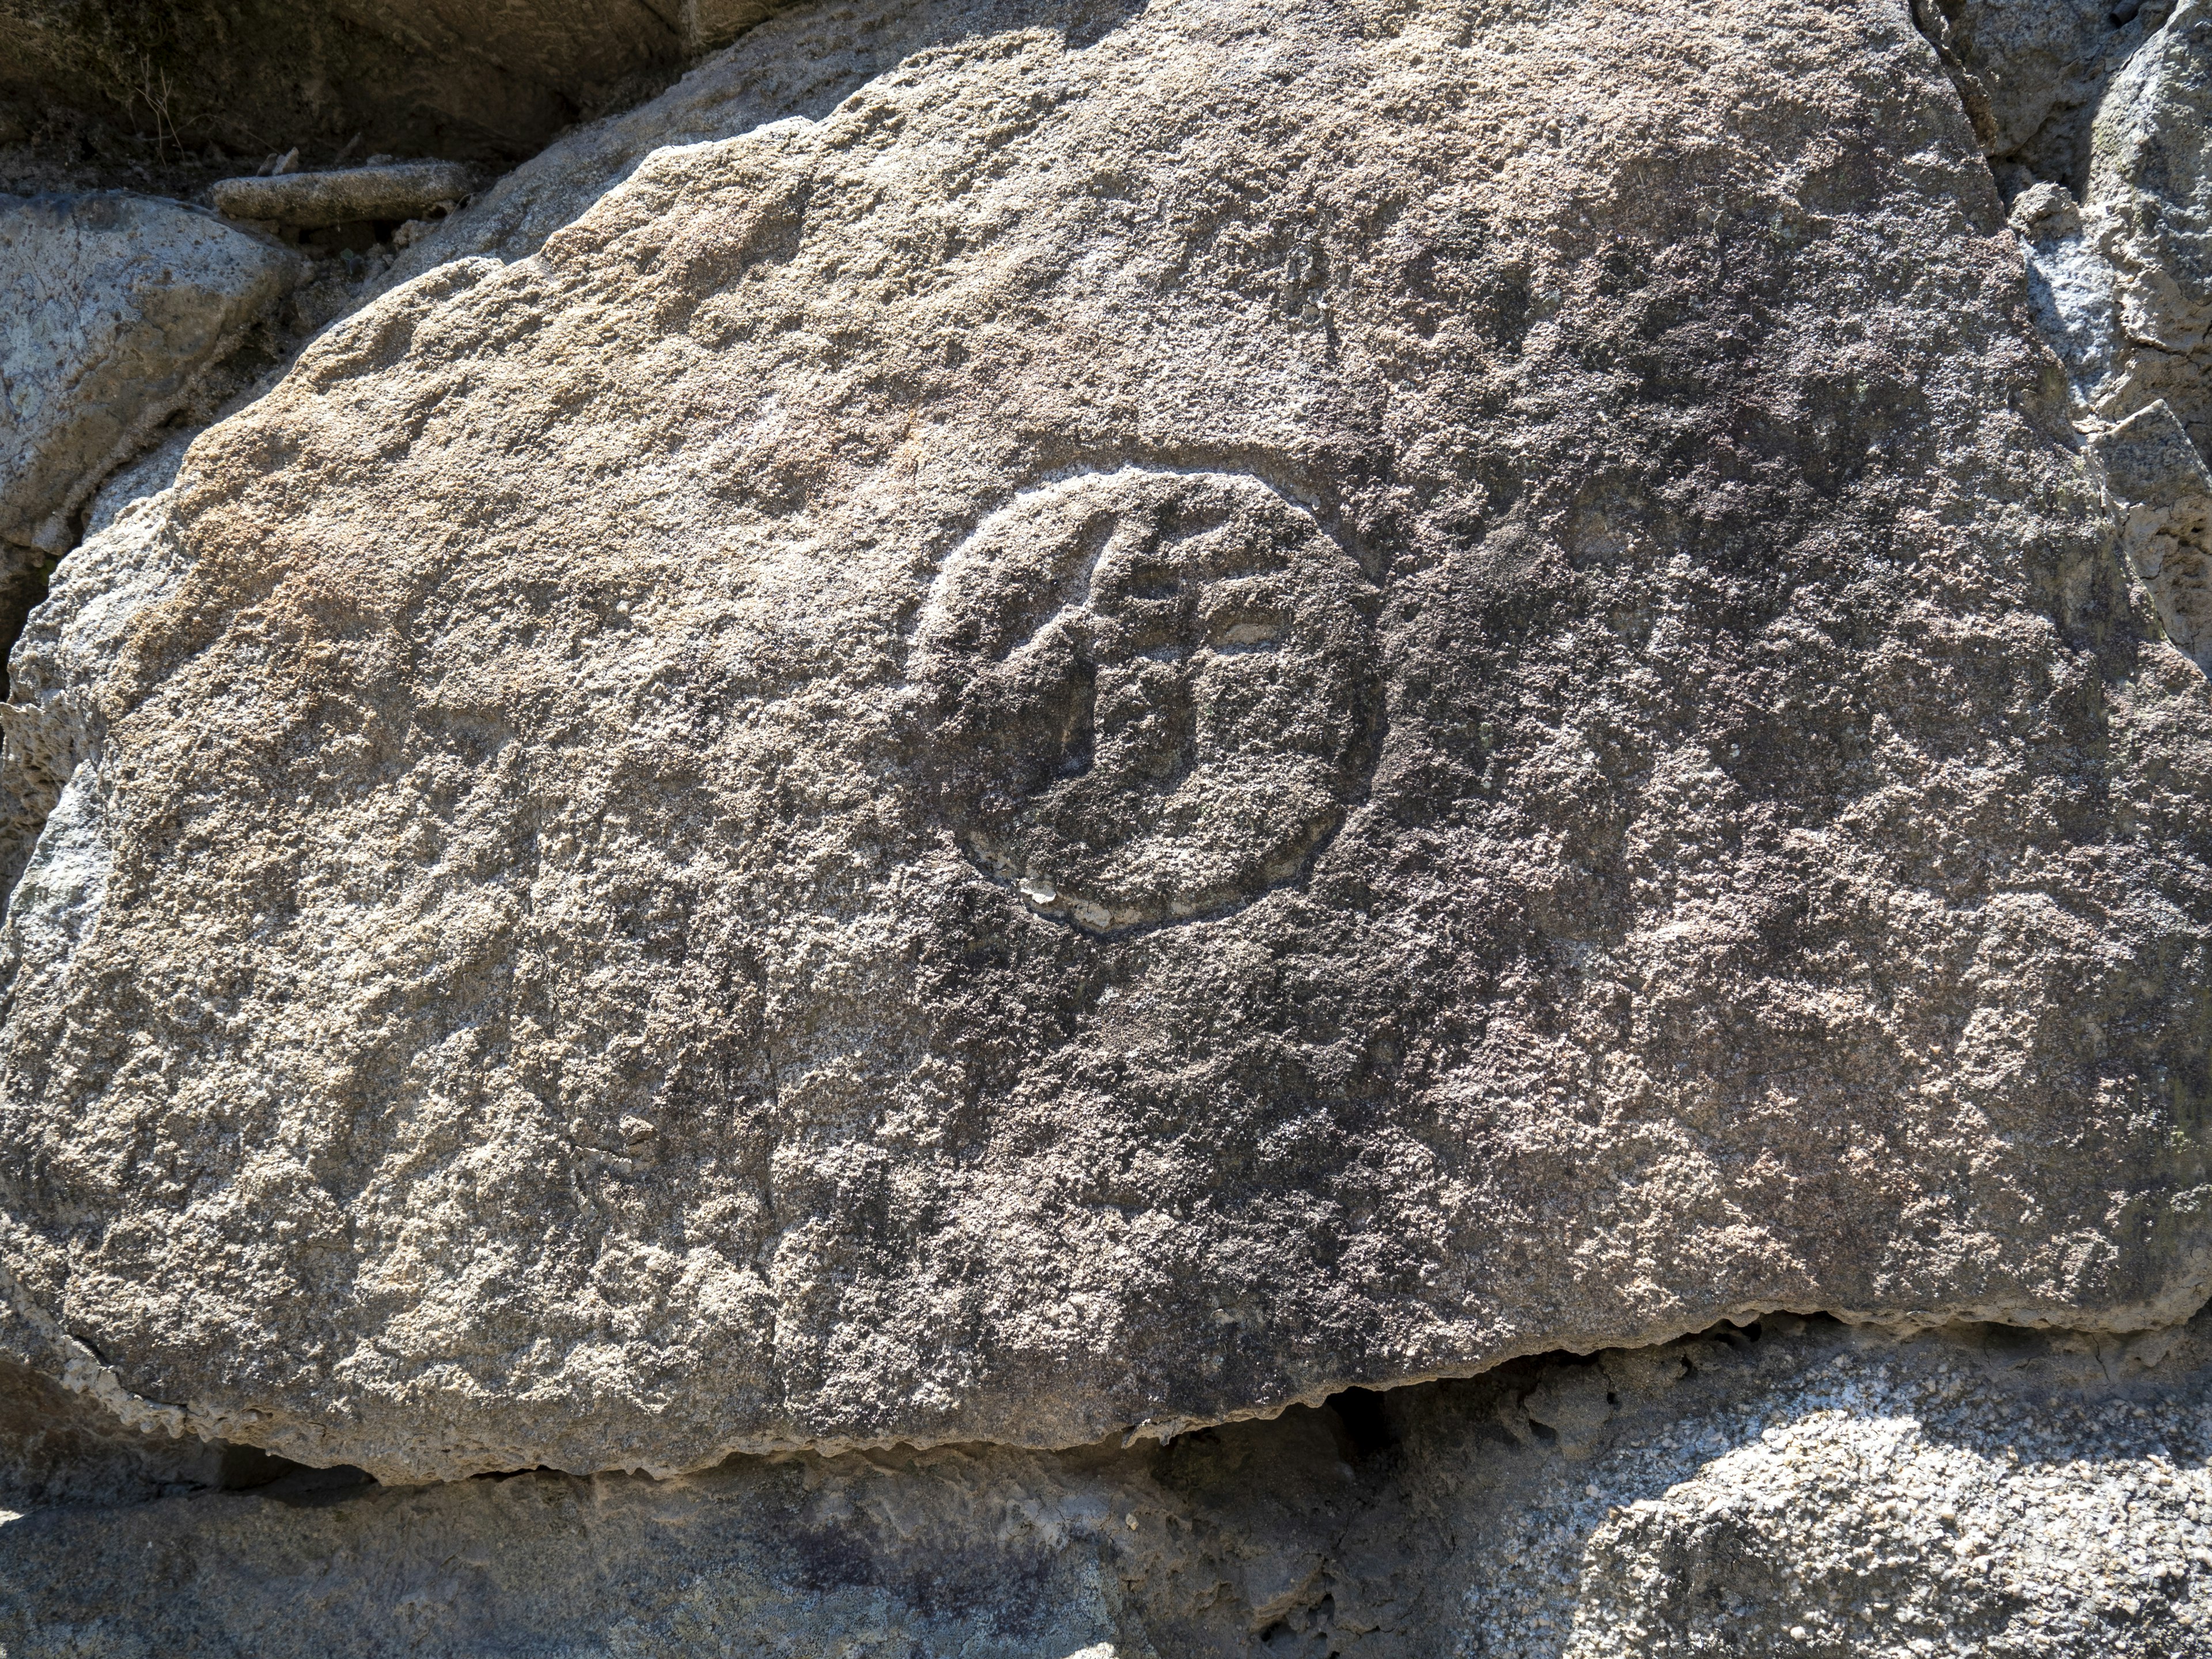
403, 191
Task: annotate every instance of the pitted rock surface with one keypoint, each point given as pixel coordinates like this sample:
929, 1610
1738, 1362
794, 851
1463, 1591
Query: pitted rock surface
542, 956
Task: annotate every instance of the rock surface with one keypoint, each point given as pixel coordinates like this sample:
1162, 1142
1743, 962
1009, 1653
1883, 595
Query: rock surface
1161, 717
2166, 529
1789, 1490
799, 65
50, 719
2123, 279
2032, 76
59, 1449
113, 306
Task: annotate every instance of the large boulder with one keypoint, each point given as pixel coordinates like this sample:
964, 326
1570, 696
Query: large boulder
1154, 719
1783, 1490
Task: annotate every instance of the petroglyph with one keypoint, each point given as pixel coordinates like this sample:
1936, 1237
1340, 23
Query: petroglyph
1159, 688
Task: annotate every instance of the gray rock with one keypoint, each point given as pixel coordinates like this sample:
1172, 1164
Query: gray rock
2149, 213
1159, 718
2166, 528
799, 65
1978, 1493
114, 305
59, 1449
2031, 76
2121, 280
1786, 1490
52, 714
405, 190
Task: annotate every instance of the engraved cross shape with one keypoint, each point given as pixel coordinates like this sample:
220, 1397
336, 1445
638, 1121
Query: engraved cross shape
1157, 686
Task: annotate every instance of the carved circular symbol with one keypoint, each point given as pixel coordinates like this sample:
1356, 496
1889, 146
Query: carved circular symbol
1156, 690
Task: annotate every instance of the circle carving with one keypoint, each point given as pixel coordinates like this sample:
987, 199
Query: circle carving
1156, 692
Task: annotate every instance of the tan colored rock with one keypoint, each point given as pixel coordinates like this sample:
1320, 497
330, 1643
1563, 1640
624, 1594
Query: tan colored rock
798, 65
1192, 712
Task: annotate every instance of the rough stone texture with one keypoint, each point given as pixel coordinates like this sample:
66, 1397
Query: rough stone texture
111, 307
51, 713
2031, 75
800, 65
574, 935
2123, 281
489, 80
2166, 524
1789, 1490
2149, 214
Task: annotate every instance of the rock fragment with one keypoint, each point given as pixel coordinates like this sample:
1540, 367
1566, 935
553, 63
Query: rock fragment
400, 191
2032, 76
2149, 207
2166, 489
2121, 277
52, 715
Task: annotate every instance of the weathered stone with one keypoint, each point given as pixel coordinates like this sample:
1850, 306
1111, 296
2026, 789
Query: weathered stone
799, 65
403, 190
59, 1450
2149, 213
113, 306
2122, 281
2166, 524
2031, 75
1159, 717
1786, 1490
50, 717
710, 23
